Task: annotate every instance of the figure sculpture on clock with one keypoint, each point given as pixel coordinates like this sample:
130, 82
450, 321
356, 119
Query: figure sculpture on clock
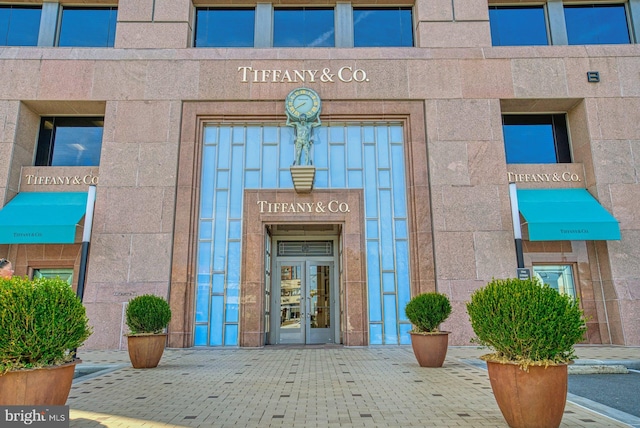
303, 114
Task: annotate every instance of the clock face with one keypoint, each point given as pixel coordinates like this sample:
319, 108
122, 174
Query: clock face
303, 102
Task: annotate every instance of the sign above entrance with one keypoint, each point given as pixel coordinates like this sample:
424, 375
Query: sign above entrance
333, 206
346, 74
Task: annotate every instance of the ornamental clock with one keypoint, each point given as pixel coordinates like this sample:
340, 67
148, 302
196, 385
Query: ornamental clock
303, 101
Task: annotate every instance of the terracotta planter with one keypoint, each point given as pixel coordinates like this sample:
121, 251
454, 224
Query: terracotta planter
430, 349
533, 399
145, 351
47, 386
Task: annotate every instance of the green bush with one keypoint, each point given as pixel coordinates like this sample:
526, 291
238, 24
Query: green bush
526, 322
427, 311
148, 314
42, 322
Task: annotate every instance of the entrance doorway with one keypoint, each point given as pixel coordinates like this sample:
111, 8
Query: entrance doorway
305, 295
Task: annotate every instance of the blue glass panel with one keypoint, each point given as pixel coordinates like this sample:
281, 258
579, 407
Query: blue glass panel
372, 229
373, 281
354, 147
368, 134
202, 298
321, 150
597, 24
382, 140
238, 134
286, 182
402, 270
222, 181
518, 25
218, 283
224, 145
396, 134
208, 171
338, 178
384, 178
399, 201
390, 320
76, 145
269, 167
231, 335
322, 179
529, 143
391, 26
271, 134
375, 334
206, 229
252, 152
233, 257
287, 152
204, 257
401, 229
355, 179
386, 230
370, 191
20, 25
224, 27
252, 179
235, 229
405, 337
217, 315
210, 135
236, 192
220, 232
200, 338
231, 313
389, 282
303, 27
336, 134
88, 26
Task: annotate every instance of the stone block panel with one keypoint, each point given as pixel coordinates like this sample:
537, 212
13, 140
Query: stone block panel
163, 35
463, 34
539, 77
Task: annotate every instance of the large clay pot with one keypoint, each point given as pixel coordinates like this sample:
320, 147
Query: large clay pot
533, 399
145, 351
430, 349
47, 386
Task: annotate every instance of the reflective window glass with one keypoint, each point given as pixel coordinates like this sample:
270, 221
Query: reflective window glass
597, 24
536, 138
382, 27
217, 27
303, 27
19, 25
558, 277
88, 26
69, 141
518, 26
65, 274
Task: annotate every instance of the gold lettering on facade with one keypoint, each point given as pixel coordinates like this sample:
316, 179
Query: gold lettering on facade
67, 180
344, 74
515, 177
332, 206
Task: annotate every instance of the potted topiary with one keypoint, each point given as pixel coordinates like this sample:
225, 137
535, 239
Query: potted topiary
426, 312
43, 323
532, 329
147, 316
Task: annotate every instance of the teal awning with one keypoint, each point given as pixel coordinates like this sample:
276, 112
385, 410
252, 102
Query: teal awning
42, 218
566, 215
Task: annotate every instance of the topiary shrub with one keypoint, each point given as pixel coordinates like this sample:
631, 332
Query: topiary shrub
526, 322
42, 323
427, 311
148, 314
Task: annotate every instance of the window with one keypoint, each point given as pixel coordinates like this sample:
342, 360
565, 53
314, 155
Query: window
597, 24
19, 25
88, 26
539, 138
65, 274
224, 27
303, 27
69, 141
518, 25
382, 27
559, 277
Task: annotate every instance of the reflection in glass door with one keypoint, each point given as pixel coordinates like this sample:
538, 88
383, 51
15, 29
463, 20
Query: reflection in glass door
305, 295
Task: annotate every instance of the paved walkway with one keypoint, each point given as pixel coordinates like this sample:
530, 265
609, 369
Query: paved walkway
302, 387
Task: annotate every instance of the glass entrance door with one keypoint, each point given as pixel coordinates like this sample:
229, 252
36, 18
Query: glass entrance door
305, 295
